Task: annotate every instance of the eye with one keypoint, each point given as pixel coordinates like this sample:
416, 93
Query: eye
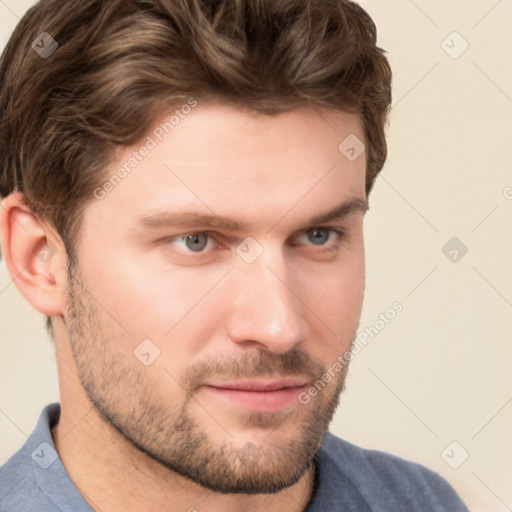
202, 242
321, 236
195, 242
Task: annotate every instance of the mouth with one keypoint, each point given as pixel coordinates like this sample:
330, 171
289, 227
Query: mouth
262, 395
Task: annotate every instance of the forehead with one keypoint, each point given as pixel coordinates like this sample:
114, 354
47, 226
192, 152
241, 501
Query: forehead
223, 133
219, 159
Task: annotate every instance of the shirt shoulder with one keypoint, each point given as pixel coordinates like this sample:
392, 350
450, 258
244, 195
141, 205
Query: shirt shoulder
371, 480
34, 479
18, 487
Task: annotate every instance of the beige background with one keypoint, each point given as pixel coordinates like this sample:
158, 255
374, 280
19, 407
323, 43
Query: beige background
441, 370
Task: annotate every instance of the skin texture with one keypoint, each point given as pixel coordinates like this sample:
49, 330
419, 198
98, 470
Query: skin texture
158, 436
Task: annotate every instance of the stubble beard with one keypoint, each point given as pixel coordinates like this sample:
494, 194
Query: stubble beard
120, 389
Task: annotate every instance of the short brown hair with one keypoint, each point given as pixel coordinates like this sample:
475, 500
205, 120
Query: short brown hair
119, 63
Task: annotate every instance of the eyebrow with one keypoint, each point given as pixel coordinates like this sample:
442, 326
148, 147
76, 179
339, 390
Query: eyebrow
194, 219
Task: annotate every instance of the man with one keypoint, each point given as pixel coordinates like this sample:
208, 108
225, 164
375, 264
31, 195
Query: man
184, 184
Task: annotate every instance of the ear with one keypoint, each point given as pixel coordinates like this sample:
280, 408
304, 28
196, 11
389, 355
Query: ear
34, 254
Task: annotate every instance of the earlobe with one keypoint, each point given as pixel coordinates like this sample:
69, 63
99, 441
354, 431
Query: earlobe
34, 255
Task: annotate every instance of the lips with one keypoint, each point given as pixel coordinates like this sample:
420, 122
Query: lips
264, 395
260, 385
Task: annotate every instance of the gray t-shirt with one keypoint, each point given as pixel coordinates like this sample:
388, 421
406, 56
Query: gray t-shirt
348, 478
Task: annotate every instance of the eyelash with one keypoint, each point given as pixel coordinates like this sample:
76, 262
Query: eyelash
337, 231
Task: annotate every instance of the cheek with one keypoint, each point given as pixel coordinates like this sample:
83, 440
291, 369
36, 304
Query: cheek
334, 298
153, 301
336, 290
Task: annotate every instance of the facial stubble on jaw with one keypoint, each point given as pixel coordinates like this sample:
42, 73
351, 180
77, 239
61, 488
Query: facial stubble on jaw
229, 465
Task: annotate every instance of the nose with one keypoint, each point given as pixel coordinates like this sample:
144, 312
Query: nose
266, 309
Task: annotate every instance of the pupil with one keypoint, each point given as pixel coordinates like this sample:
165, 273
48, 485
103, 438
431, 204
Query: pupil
196, 242
319, 236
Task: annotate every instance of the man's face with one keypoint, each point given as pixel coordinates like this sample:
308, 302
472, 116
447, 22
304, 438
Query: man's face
237, 322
